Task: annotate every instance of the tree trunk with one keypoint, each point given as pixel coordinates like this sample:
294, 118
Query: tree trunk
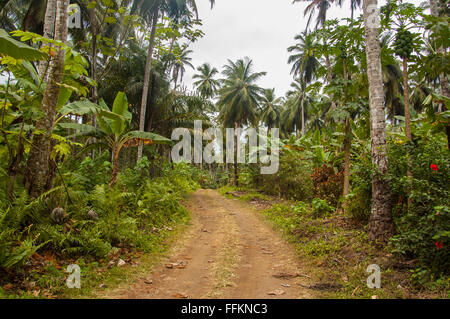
303, 118
236, 182
49, 31
147, 77
347, 150
407, 124
329, 79
381, 226
39, 155
347, 143
443, 79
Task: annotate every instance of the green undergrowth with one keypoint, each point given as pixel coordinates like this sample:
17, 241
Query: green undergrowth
336, 252
133, 223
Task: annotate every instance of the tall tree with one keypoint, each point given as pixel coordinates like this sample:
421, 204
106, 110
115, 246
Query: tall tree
174, 9
206, 84
380, 223
443, 78
239, 98
148, 65
270, 109
39, 155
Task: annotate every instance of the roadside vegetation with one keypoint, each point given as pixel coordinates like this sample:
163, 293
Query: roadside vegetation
86, 117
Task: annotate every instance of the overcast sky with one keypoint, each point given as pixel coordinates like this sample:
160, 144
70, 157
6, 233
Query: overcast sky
259, 29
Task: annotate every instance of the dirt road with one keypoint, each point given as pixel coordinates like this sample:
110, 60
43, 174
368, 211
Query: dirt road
227, 252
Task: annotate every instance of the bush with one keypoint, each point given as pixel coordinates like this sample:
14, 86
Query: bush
293, 180
423, 231
320, 208
328, 185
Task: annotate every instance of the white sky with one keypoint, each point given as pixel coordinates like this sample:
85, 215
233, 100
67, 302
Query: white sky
259, 29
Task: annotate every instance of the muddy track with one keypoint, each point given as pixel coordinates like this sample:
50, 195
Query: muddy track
227, 252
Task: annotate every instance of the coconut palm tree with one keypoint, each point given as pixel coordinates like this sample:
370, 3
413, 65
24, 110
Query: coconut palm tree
206, 85
182, 60
270, 109
380, 223
304, 58
322, 7
239, 97
297, 104
39, 155
150, 10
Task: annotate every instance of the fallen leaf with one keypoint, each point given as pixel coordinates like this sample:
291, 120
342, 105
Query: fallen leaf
180, 296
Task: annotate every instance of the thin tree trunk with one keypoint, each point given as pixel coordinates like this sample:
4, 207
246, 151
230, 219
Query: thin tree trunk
407, 124
329, 79
147, 77
39, 155
443, 79
347, 144
94, 92
381, 226
49, 31
347, 150
303, 118
236, 182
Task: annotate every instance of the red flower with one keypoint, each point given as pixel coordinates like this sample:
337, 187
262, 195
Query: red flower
438, 245
434, 167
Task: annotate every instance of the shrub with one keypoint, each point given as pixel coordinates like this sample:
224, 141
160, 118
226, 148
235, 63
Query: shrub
320, 208
423, 231
293, 180
328, 185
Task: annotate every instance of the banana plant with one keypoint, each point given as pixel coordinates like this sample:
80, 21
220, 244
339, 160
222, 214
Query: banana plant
111, 130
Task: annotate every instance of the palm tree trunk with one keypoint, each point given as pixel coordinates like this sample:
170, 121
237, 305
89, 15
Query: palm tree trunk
49, 31
39, 155
236, 182
443, 79
381, 226
347, 144
147, 79
303, 118
94, 91
329, 78
407, 123
347, 149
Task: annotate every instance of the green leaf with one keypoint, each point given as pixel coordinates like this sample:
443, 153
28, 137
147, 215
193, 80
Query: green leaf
120, 107
155, 138
17, 49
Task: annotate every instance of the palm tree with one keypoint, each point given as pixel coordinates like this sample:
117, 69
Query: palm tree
380, 223
304, 59
150, 10
298, 102
322, 7
39, 155
178, 65
239, 97
270, 109
206, 85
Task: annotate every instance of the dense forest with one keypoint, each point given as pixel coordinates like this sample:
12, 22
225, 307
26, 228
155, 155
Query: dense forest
87, 114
